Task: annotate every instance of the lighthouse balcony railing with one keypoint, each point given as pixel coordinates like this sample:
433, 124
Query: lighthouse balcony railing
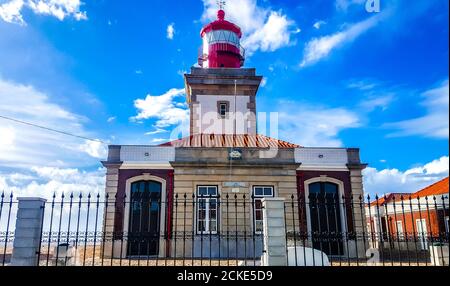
223, 47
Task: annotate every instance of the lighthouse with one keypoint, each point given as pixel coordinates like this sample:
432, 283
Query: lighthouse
221, 92
221, 44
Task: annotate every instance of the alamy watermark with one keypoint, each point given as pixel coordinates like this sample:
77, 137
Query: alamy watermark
373, 6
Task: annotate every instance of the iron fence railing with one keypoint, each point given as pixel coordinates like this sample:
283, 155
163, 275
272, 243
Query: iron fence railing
188, 230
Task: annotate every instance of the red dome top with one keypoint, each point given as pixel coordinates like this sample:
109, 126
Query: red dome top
221, 24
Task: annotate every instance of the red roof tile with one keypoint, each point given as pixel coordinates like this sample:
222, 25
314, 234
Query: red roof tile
228, 141
439, 188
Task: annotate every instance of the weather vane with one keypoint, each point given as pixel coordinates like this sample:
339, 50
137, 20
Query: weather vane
221, 4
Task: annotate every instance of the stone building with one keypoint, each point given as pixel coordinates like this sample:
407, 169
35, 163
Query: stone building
195, 186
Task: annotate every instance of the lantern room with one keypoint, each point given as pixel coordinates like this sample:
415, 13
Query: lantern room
221, 45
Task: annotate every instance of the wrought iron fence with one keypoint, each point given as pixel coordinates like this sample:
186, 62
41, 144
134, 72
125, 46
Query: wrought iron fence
357, 231
214, 230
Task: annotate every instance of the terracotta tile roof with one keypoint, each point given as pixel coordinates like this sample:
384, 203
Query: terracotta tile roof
439, 188
388, 198
227, 141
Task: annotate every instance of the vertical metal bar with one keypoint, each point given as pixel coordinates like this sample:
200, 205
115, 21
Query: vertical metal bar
59, 228
104, 230
2, 196
68, 224
446, 230
114, 231
194, 227
381, 229
184, 229
312, 232
254, 227
429, 223
405, 232
210, 231
398, 233
245, 232
202, 201
355, 233
303, 232
7, 227
285, 223
424, 239
139, 236
228, 231
328, 233
414, 229
148, 236
95, 227
293, 227
219, 229
126, 231
175, 226
320, 228
236, 228
51, 228
388, 229
338, 234
86, 233
345, 214
78, 222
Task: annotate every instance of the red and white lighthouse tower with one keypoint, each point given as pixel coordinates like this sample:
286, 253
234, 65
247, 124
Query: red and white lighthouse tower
221, 44
221, 93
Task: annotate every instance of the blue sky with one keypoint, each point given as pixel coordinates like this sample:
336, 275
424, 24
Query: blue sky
112, 70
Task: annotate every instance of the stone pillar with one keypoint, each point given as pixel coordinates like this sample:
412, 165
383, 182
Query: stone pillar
274, 232
359, 216
28, 233
112, 166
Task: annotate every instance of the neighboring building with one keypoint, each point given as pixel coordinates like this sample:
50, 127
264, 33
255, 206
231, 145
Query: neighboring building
410, 221
225, 156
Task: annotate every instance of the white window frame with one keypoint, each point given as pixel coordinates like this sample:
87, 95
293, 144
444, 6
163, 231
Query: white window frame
399, 228
260, 198
207, 221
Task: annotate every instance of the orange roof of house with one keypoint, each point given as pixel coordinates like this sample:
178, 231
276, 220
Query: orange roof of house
439, 188
230, 141
387, 199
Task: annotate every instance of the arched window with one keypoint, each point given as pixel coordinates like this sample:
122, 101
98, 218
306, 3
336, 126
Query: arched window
326, 218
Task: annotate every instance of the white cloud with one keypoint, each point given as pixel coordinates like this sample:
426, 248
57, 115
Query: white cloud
263, 28
44, 182
377, 101
319, 48
170, 31
111, 119
163, 108
95, 149
314, 126
264, 82
435, 124
319, 24
395, 181
11, 11
22, 145
157, 131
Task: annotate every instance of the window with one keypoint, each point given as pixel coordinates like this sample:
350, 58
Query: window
223, 109
207, 209
399, 225
259, 193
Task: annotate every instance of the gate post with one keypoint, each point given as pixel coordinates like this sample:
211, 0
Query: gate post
28, 233
274, 232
